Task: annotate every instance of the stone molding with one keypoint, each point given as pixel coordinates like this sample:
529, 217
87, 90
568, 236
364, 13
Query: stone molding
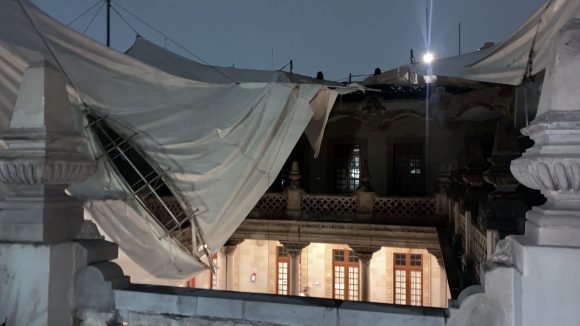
57, 172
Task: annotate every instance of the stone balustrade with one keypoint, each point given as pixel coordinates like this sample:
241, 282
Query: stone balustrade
413, 210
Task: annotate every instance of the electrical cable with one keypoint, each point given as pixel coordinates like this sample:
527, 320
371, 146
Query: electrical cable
52, 53
93, 19
125, 20
84, 13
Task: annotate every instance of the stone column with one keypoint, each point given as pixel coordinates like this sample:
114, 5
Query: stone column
51, 261
294, 249
229, 249
532, 279
364, 255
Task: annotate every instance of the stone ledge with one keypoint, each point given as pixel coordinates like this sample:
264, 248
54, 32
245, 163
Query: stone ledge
185, 303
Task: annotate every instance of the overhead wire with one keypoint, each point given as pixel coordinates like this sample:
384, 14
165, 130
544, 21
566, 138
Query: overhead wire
52, 53
125, 20
93, 19
84, 12
167, 37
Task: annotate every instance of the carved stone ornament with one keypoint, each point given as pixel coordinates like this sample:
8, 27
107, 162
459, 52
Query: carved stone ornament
44, 145
58, 172
503, 254
552, 165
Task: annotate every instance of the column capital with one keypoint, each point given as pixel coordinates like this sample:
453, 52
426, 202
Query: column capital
294, 248
231, 245
364, 253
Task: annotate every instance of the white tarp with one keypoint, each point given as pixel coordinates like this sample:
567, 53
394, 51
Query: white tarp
506, 62
177, 65
223, 145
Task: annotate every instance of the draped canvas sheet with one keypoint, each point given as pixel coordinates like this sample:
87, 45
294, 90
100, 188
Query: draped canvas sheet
177, 65
222, 145
506, 62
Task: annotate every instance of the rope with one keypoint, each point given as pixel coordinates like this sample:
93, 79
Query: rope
167, 37
52, 53
84, 13
529, 64
284, 67
93, 19
125, 20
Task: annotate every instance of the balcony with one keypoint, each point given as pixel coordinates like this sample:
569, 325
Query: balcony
360, 207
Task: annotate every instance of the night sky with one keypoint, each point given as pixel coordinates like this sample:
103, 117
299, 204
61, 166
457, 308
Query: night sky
336, 36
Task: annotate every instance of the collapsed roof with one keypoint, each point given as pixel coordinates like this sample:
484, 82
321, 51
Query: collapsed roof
218, 146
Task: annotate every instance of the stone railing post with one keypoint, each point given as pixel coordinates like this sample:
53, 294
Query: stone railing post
294, 193
365, 194
52, 261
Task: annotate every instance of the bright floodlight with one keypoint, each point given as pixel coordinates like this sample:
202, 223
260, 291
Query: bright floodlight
428, 58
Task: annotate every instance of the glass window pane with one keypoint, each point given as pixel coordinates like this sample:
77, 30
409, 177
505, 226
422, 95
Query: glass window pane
401, 259
338, 255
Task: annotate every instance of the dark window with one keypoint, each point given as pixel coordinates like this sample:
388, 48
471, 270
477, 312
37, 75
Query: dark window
408, 170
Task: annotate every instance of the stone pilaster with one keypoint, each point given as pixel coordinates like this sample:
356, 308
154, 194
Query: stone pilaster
294, 249
229, 250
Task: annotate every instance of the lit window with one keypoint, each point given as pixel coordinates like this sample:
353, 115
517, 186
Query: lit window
408, 282
283, 266
346, 275
348, 165
415, 166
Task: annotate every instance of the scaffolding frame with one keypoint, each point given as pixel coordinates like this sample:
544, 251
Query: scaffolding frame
115, 146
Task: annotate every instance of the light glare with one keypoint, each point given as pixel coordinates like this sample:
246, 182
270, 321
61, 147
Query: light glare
428, 58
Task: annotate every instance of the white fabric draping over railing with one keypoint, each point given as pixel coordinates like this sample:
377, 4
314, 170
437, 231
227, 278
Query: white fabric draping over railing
506, 62
222, 145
